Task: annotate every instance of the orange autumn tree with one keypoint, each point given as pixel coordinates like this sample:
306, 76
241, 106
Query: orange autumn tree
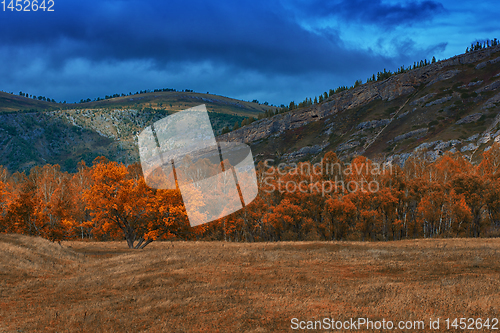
81, 181
40, 204
473, 189
52, 194
120, 204
5, 196
168, 217
285, 221
20, 212
338, 215
489, 170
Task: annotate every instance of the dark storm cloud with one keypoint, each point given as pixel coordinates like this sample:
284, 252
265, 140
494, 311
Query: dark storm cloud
242, 34
372, 11
243, 49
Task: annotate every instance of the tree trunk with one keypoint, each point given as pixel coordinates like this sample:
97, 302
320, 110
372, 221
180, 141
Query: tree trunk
247, 232
130, 242
139, 244
145, 244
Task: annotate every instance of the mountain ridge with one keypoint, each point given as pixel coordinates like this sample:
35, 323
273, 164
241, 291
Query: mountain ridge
430, 87
65, 134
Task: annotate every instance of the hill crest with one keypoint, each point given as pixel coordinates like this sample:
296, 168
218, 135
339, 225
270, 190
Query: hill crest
439, 107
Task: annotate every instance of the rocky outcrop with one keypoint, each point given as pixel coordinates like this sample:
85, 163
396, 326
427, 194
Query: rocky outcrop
422, 100
469, 58
444, 76
477, 83
486, 63
305, 151
469, 119
447, 144
348, 145
468, 147
489, 87
472, 137
439, 101
398, 159
485, 139
418, 132
427, 145
373, 123
492, 102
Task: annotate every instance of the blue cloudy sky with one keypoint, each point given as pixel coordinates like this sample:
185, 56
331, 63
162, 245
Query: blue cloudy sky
274, 51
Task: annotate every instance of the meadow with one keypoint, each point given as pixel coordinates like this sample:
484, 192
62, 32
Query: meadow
241, 287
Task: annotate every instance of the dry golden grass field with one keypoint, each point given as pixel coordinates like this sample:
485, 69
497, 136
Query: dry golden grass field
227, 287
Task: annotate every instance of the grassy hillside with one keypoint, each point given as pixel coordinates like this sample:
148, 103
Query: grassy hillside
231, 287
175, 101
162, 100
15, 103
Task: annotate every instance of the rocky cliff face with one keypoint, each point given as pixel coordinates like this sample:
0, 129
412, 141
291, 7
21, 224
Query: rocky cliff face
426, 101
387, 90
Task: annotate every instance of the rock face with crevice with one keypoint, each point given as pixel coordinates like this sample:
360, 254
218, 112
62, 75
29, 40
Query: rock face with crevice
494, 86
469, 119
439, 101
373, 123
486, 63
416, 133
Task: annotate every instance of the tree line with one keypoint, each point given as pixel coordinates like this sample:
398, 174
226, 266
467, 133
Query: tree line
479, 45
450, 197
43, 98
40, 98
